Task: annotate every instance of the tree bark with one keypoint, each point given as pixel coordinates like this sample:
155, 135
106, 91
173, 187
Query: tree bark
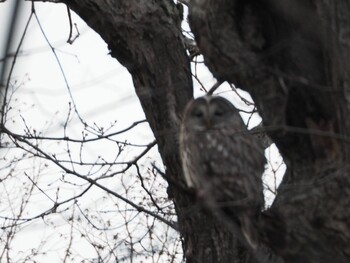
292, 56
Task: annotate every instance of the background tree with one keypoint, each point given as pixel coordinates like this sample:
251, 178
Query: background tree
290, 56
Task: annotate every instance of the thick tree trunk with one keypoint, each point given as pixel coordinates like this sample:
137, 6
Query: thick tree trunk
292, 56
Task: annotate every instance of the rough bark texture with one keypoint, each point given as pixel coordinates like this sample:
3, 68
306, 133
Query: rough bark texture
292, 56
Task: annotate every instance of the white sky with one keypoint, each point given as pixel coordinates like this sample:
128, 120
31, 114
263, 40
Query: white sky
102, 90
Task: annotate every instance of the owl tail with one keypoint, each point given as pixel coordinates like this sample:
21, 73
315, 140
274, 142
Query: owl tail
249, 230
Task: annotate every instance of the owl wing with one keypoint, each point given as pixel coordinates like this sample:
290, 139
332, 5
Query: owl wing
235, 164
235, 172
191, 149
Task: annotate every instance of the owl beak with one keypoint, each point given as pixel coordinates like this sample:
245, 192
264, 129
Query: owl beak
208, 122
208, 118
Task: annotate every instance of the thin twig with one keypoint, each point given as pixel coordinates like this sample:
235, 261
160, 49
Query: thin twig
96, 183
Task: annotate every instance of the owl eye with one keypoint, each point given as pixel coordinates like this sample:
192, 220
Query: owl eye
219, 113
198, 113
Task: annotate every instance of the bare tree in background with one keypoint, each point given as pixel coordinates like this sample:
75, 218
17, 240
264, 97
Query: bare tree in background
291, 56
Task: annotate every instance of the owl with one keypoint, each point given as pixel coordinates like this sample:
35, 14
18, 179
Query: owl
223, 162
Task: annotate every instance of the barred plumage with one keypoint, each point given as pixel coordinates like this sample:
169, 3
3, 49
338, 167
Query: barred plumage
222, 161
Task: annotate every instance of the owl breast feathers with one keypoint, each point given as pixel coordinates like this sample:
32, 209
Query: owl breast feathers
221, 160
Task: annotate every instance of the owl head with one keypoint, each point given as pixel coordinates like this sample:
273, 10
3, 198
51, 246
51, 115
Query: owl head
209, 113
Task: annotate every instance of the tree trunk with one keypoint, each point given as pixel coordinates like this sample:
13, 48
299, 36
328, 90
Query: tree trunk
292, 56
